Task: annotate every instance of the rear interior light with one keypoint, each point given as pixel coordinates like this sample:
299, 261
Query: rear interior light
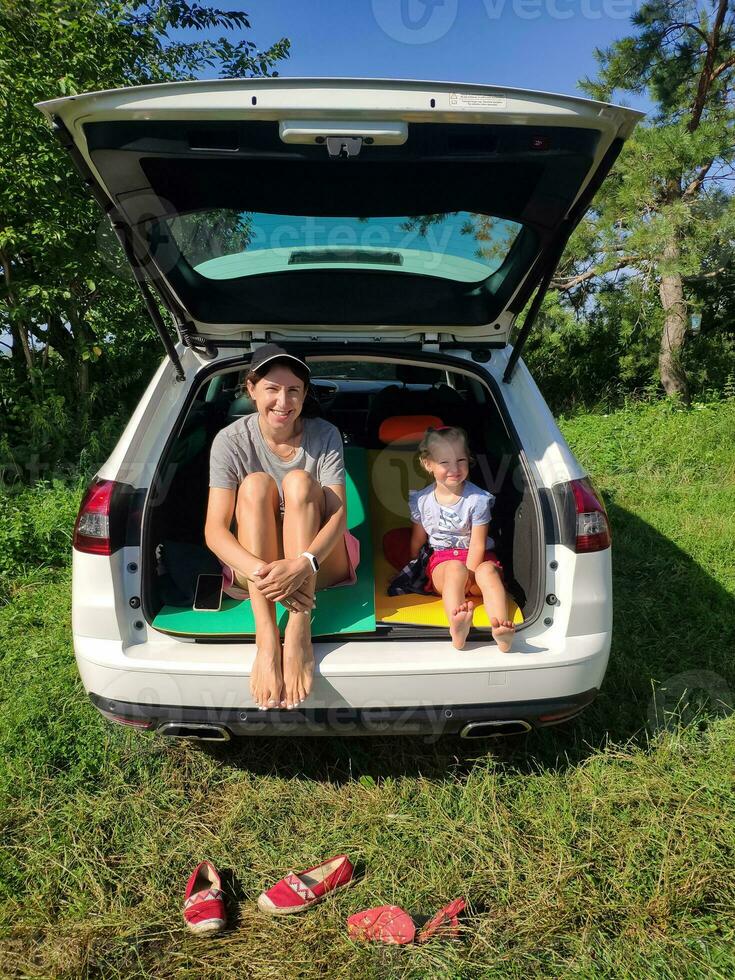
592, 525
102, 518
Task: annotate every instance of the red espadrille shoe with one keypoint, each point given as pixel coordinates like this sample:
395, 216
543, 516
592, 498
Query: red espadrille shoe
297, 892
204, 906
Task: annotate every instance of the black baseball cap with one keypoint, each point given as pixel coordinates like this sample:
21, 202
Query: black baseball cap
272, 352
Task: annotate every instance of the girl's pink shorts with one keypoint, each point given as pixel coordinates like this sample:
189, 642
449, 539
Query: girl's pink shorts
454, 554
353, 558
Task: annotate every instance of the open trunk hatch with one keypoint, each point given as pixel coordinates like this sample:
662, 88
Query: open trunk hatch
341, 207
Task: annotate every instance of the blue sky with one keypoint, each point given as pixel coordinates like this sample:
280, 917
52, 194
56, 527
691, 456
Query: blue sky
538, 44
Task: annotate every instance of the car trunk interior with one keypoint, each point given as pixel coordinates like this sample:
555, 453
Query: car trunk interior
356, 395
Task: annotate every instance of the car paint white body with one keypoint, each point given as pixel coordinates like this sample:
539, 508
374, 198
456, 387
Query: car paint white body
124, 663
563, 651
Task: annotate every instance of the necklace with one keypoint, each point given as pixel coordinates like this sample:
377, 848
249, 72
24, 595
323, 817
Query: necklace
269, 444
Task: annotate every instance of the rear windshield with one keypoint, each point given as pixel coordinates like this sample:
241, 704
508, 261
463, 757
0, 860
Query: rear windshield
439, 231
225, 244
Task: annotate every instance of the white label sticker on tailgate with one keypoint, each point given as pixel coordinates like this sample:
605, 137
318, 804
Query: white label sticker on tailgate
477, 100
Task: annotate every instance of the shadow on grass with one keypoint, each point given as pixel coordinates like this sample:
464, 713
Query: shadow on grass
671, 659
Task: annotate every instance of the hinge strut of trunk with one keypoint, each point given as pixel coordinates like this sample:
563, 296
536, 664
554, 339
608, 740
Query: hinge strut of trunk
553, 252
552, 261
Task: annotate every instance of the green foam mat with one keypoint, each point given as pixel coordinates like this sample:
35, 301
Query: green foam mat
345, 609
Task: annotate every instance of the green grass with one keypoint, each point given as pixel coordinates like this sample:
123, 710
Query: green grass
605, 848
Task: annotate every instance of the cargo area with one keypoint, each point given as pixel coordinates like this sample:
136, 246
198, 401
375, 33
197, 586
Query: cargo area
358, 396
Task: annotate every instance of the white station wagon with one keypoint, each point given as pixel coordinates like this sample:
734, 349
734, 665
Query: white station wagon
390, 233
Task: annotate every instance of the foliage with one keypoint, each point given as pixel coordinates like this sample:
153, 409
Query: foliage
81, 346
666, 213
607, 353
36, 526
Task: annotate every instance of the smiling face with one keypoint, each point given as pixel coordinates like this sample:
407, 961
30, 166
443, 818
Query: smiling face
279, 398
448, 462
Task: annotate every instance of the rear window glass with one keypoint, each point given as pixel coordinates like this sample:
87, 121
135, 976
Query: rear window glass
461, 246
437, 231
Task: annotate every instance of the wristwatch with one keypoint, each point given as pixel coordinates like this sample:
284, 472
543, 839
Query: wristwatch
313, 560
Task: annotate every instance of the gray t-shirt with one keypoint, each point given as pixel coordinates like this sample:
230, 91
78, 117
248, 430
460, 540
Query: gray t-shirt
451, 526
240, 449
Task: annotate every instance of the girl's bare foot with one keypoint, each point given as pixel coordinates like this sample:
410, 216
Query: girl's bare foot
298, 660
503, 633
266, 677
460, 622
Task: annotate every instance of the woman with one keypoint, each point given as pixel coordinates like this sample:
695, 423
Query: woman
282, 476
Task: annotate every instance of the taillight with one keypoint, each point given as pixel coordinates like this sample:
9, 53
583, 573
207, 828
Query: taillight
593, 527
92, 529
109, 517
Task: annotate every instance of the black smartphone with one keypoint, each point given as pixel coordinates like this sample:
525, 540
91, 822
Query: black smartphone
208, 596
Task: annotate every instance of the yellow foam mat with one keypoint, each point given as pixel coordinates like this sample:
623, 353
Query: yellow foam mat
392, 474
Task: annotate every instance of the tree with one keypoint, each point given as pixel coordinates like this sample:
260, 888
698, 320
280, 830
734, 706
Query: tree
66, 318
666, 214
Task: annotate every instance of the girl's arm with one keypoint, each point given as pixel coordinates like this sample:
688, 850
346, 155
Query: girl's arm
476, 551
418, 537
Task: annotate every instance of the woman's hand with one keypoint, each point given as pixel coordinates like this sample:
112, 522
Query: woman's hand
282, 579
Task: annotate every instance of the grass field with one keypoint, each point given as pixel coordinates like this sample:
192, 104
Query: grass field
605, 848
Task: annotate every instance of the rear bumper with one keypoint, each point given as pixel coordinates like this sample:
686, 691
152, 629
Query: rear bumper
345, 721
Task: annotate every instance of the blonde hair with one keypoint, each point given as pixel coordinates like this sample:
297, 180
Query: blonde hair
449, 432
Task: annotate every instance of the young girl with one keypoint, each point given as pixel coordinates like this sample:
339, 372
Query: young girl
453, 515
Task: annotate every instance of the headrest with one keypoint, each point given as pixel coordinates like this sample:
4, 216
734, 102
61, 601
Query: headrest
242, 405
407, 430
413, 374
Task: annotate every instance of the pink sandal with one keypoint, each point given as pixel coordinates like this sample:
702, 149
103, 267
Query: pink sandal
384, 924
297, 892
445, 923
391, 924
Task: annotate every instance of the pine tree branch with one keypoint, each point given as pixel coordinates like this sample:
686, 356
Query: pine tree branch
723, 67
697, 181
681, 25
706, 77
702, 276
564, 285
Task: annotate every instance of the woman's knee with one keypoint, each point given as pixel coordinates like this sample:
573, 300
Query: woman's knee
257, 488
299, 487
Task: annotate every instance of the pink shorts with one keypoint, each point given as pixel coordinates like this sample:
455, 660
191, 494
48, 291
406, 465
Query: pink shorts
353, 559
454, 554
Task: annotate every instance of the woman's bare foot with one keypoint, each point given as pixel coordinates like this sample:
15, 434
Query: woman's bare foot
503, 633
266, 677
460, 622
298, 660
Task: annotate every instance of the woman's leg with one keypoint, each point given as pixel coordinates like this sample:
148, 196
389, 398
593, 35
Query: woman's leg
450, 581
257, 531
303, 515
305, 507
